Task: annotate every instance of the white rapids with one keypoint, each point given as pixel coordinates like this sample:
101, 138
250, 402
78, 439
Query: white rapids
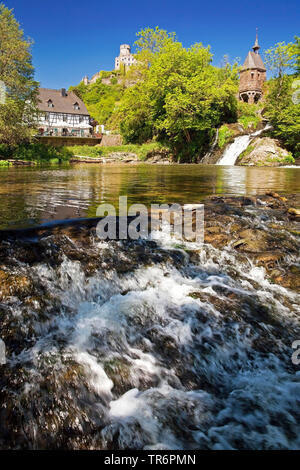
239, 144
160, 363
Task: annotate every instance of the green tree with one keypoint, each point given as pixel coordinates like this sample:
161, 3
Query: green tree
18, 113
284, 112
100, 98
282, 108
278, 58
181, 99
295, 54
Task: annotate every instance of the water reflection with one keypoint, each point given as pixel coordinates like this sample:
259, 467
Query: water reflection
33, 195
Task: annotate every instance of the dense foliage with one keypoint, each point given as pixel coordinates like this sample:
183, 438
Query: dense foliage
101, 98
248, 114
181, 99
283, 98
173, 96
224, 136
284, 112
19, 89
34, 151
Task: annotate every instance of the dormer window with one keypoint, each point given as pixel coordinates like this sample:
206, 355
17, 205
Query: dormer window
50, 104
76, 106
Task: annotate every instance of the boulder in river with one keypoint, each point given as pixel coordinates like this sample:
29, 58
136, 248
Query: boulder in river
264, 151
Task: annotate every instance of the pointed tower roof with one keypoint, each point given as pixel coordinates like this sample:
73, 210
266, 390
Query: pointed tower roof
253, 59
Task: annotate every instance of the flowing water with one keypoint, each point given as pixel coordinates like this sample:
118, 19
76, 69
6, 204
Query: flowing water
148, 344
239, 144
176, 352
234, 150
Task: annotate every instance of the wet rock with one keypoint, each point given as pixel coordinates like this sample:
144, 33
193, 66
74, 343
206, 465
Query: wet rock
216, 239
273, 194
216, 229
294, 213
269, 259
216, 329
14, 285
253, 240
264, 151
291, 278
118, 370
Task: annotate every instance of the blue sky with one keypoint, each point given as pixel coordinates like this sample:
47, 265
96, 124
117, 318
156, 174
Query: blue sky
73, 38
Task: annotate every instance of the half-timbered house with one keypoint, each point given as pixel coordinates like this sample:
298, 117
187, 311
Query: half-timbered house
62, 113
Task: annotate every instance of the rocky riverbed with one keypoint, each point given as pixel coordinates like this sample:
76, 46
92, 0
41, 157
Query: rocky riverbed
154, 344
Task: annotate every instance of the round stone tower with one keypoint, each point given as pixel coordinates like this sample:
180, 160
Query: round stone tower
252, 76
124, 49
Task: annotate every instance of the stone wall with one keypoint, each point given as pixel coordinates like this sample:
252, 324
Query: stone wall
69, 141
110, 140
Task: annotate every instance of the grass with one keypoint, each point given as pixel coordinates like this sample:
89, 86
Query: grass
246, 152
247, 121
225, 135
4, 163
288, 159
142, 151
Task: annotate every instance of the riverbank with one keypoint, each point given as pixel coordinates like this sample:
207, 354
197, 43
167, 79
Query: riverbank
259, 151
156, 343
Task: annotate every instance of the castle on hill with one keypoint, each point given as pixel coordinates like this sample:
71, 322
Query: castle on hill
125, 58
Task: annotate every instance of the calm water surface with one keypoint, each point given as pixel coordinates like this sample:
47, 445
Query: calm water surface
30, 196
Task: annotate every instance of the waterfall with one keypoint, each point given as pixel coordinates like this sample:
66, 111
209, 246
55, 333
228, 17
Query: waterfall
239, 144
234, 150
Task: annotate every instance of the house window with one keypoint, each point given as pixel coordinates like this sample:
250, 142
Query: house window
76, 106
50, 104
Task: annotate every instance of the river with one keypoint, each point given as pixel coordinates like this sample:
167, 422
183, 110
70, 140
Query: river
156, 343
31, 195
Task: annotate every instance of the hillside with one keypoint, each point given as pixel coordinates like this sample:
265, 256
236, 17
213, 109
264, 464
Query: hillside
102, 96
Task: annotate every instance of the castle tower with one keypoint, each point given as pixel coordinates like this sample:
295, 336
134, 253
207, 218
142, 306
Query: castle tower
125, 57
252, 76
125, 49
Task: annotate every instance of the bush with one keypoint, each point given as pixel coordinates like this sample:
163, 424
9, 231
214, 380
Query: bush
5, 151
284, 112
40, 152
248, 114
225, 135
289, 159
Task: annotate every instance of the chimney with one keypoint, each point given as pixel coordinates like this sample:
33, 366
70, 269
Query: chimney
63, 92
